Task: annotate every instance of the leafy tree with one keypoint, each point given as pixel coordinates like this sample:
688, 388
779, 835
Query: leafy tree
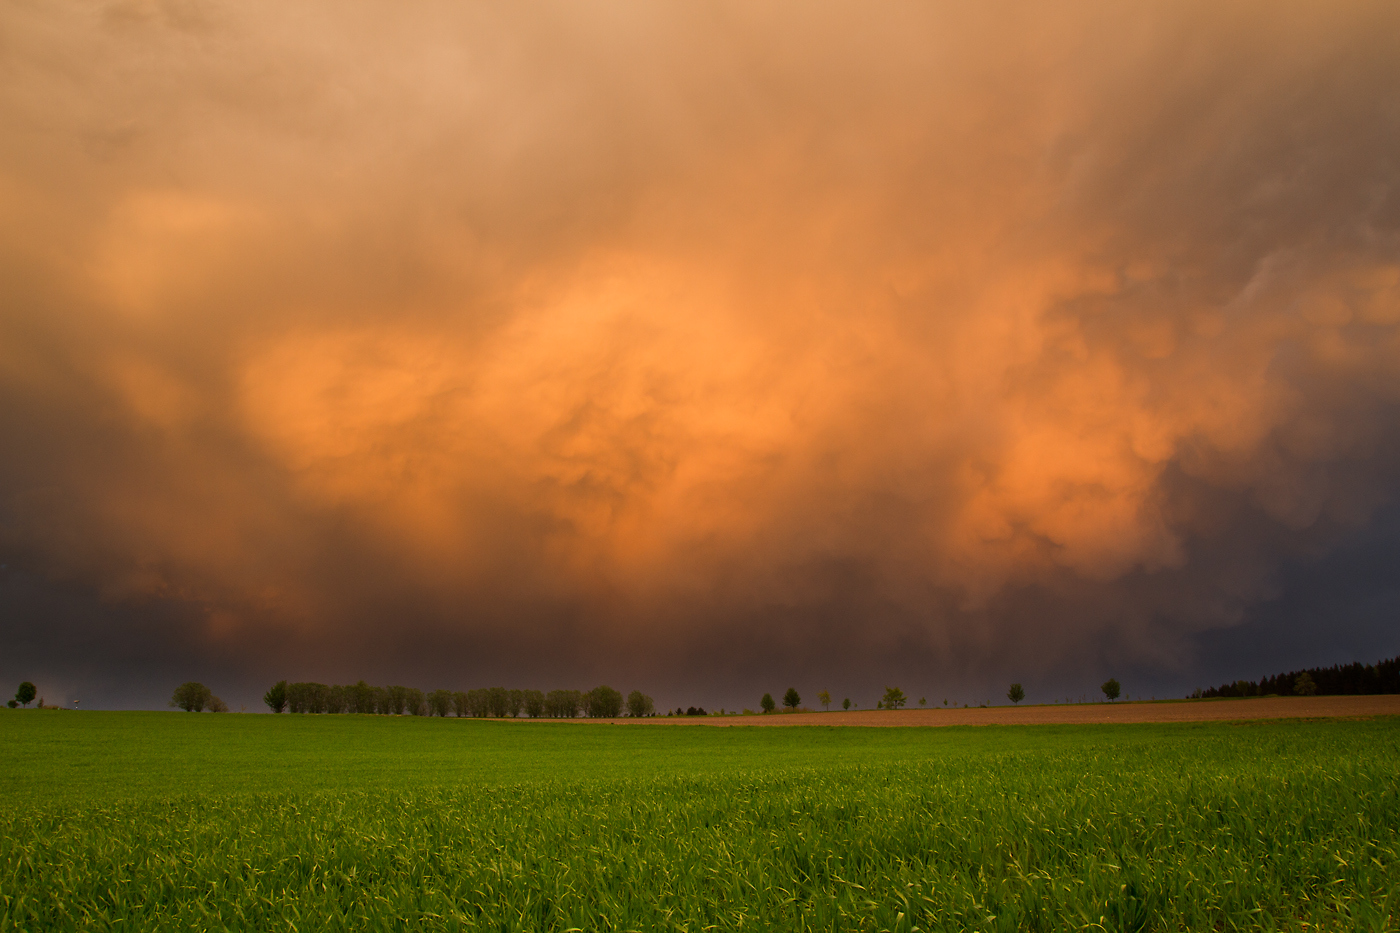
894, 698
337, 698
362, 699
308, 697
534, 704
563, 704
923, 702
846, 703
639, 704
824, 699
191, 697
1111, 688
459, 704
479, 702
498, 699
1015, 694
398, 700
415, 702
12, 704
217, 705
440, 702
515, 703
792, 699
767, 703
603, 703
276, 698
1303, 685
25, 694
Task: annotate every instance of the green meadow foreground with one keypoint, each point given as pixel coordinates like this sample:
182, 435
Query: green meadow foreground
202, 822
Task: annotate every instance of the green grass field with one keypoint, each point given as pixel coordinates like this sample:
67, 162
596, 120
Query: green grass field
184, 822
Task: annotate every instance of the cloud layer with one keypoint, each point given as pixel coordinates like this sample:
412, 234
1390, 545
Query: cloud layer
689, 346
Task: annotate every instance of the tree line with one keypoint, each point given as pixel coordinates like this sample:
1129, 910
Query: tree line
602, 702
1355, 679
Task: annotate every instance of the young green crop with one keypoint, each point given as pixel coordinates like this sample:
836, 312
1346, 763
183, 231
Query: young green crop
542, 827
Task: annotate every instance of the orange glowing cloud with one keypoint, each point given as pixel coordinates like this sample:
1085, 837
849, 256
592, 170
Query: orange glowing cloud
679, 318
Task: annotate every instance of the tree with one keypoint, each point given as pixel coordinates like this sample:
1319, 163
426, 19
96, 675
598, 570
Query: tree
894, 698
440, 702
792, 699
1015, 694
192, 697
398, 700
639, 704
923, 701
498, 699
25, 694
603, 703
276, 698
846, 703
824, 699
362, 699
1111, 688
460, 705
562, 704
337, 698
217, 705
1303, 685
12, 704
767, 703
534, 704
416, 703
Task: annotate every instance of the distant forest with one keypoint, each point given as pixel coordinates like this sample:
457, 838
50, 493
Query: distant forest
1338, 680
602, 702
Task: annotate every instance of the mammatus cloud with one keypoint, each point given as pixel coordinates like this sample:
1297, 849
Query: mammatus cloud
697, 344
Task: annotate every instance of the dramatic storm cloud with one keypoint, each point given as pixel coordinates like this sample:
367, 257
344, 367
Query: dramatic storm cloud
702, 348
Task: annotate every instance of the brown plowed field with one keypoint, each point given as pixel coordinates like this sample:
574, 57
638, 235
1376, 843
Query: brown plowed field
1161, 711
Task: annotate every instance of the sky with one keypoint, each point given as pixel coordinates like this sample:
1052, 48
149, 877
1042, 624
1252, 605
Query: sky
701, 348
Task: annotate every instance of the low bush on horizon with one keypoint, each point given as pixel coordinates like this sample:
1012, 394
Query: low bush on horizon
1154, 827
